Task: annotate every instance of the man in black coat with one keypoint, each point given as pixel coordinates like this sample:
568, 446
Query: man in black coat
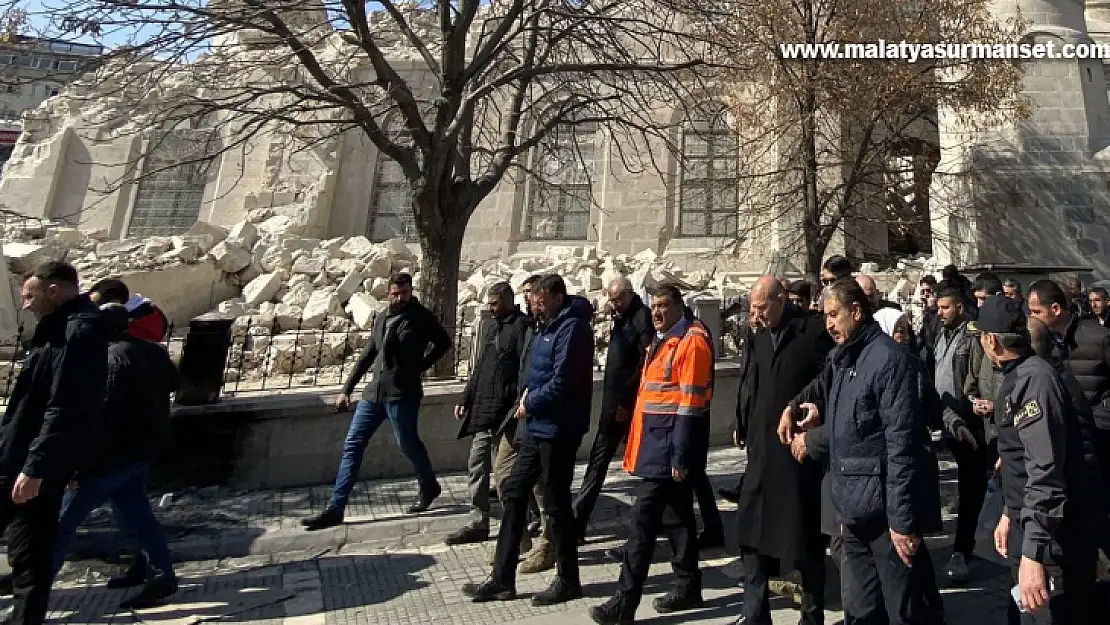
405, 342
880, 482
778, 520
629, 339
134, 428
1083, 347
490, 393
53, 408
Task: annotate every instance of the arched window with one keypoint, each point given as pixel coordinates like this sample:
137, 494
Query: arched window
171, 186
709, 173
391, 214
560, 192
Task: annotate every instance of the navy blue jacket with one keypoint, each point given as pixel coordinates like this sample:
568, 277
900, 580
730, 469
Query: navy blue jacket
878, 429
560, 374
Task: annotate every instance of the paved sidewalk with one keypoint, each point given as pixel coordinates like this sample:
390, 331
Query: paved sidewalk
245, 559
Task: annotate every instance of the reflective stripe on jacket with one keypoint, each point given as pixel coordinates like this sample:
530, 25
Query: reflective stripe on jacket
675, 390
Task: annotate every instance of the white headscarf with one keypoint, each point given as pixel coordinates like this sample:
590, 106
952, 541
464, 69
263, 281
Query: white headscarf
888, 318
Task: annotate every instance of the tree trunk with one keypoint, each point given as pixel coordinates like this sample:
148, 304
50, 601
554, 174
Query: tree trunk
439, 289
811, 224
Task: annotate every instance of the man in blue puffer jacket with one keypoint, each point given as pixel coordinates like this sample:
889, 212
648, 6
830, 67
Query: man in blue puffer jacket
556, 409
880, 483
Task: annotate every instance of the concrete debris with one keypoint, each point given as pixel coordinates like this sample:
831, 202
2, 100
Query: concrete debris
301, 303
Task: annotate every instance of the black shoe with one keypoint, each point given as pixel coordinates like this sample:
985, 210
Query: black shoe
711, 539
676, 601
330, 517
424, 501
534, 529
488, 590
135, 575
729, 495
468, 535
613, 612
616, 554
153, 593
559, 591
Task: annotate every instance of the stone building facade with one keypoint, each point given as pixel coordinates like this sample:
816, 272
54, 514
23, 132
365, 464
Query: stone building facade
68, 167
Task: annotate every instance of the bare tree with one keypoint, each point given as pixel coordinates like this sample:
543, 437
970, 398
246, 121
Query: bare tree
475, 86
831, 143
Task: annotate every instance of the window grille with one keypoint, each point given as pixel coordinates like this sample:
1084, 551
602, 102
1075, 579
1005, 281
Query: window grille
560, 190
708, 203
171, 187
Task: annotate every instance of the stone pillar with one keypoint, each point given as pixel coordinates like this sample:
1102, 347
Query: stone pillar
709, 311
485, 317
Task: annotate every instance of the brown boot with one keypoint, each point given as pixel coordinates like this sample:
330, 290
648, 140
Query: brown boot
542, 558
525, 547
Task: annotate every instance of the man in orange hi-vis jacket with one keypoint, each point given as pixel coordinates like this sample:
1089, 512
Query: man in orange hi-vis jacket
675, 390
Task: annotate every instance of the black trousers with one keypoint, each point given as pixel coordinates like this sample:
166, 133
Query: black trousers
757, 571
1073, 576
554, 460
973, 469
668, 505
874, 577
707, 503
31, 529
610, 435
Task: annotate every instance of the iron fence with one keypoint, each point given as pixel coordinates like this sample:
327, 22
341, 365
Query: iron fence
281, 353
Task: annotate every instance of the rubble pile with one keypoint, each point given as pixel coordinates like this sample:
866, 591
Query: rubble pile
310, 303
306, 306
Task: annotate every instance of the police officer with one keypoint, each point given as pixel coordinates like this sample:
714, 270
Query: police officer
1047, 527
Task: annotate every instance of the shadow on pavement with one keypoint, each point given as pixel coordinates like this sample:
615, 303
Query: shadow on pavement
258, 594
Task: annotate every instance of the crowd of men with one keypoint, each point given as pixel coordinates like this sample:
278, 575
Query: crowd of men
838, 403
840, 400
88, 414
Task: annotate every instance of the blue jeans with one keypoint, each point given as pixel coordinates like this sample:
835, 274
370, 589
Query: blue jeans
368, 416
126, 490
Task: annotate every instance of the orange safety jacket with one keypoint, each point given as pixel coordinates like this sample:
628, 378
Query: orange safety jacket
675, 390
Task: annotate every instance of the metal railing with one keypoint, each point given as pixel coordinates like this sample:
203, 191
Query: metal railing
276, 353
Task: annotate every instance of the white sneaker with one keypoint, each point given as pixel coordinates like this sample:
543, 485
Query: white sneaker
957, 571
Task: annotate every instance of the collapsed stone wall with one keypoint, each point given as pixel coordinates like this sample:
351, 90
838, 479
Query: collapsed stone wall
303, 307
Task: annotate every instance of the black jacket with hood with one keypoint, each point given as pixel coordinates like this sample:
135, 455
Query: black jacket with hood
134, 425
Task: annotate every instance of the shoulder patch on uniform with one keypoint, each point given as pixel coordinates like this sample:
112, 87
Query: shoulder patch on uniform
1030, 412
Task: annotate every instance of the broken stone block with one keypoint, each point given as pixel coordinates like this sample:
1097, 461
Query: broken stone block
322, 303
114, 248
399, 249
297, 295
287, 317
244, 234
279, 225
69, 237
321, 280
211, 232
189, 248
156, 246
273, 258
24, 257
309, 265
356, 247
250, 272
378, 267
233, 307
330, 247
230, 258
362, 308
342, 266
349, 285
261, 289
96, 234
